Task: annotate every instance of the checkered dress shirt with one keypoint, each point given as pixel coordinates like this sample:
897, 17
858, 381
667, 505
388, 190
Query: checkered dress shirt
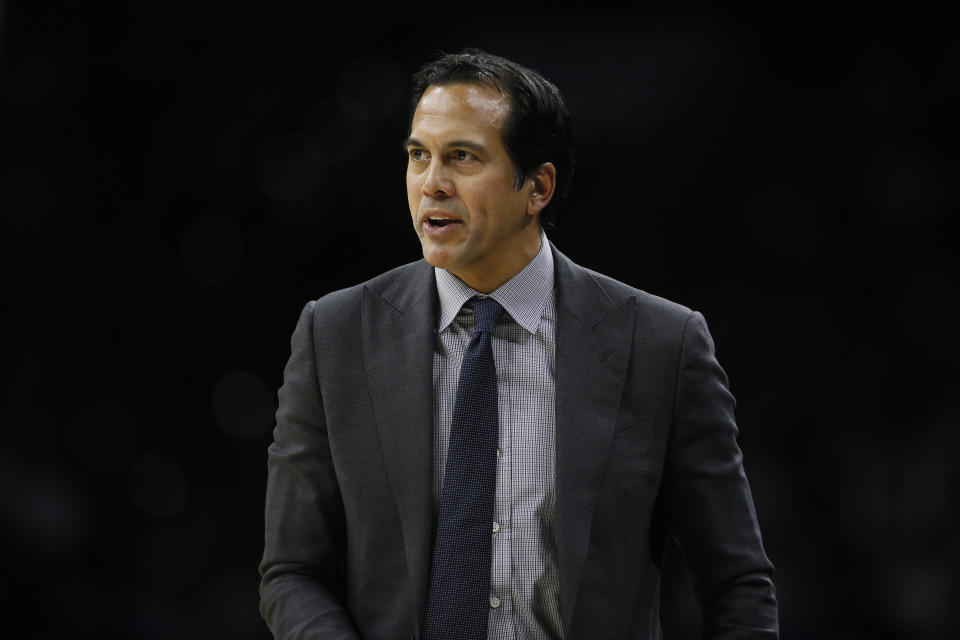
524, 585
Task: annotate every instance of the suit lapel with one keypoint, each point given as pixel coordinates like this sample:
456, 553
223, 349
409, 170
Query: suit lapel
594, 341
398, 344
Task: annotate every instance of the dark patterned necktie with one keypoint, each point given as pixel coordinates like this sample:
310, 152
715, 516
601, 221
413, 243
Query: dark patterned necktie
458, 601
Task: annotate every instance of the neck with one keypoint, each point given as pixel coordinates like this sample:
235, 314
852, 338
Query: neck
490, 279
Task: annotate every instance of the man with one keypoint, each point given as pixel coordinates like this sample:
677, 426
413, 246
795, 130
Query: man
494, 441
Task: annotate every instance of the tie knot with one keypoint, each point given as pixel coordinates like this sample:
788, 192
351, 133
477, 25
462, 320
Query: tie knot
486, 312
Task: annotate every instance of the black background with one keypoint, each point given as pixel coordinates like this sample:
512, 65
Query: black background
178, 180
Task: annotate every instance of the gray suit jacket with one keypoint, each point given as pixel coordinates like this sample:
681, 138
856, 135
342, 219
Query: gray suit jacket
646, 447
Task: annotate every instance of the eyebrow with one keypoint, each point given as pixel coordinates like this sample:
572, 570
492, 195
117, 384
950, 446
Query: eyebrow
462, 144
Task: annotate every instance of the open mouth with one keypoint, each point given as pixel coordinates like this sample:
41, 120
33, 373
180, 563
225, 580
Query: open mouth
441, 222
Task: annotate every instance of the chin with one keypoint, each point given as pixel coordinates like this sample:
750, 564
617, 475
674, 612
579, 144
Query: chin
435, 256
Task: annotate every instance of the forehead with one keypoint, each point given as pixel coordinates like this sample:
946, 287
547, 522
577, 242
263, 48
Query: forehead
460, 109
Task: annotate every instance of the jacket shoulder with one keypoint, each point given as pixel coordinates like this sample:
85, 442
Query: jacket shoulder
647, 303
342, 299
342, 308
651, 309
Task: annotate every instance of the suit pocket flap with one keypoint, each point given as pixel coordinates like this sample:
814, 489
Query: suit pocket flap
633, 439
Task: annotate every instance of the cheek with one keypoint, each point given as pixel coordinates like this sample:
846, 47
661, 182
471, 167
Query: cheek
503, 206
413, 193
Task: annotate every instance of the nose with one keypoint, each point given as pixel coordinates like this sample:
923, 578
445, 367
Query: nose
437, 183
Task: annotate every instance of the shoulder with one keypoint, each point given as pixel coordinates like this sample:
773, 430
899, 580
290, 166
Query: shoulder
647, 303
587, 287
661, 329
353, 295
344, 306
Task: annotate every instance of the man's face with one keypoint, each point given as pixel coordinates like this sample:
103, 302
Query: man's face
470, 219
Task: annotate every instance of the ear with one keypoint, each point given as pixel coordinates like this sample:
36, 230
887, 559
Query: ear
540, 185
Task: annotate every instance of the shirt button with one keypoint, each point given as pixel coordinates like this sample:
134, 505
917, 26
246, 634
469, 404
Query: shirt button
494, 601
498, 452
496, 527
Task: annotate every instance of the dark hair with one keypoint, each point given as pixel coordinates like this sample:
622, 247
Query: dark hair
538, 128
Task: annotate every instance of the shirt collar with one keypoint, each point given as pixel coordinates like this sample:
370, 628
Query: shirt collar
524, 296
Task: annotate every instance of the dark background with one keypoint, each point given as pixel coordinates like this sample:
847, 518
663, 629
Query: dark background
178, 181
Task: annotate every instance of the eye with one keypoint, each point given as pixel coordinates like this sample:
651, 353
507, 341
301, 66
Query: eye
417, 154
463, 156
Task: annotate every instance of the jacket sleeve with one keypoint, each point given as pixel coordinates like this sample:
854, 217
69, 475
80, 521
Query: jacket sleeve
711, 509
302, 567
